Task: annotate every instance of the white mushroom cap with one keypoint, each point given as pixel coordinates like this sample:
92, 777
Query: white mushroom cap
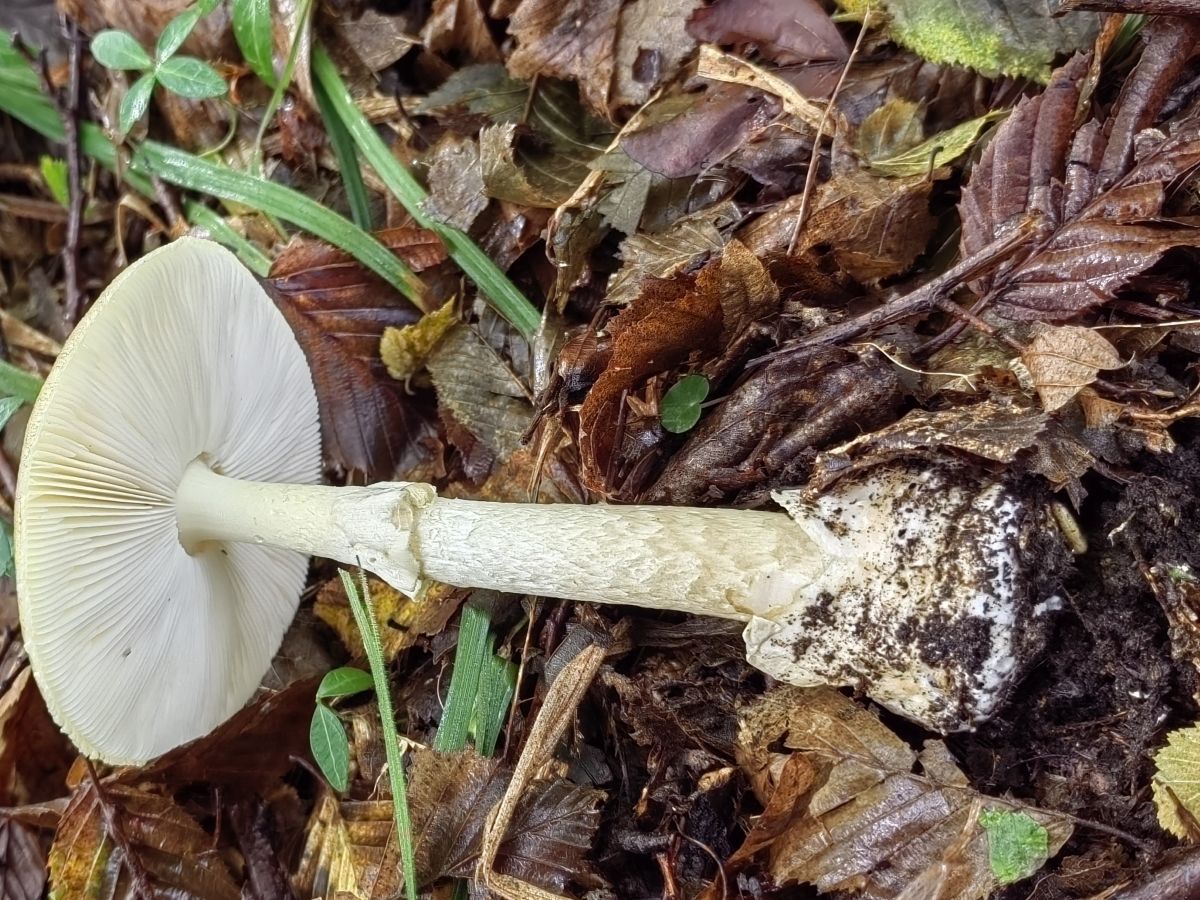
137, 644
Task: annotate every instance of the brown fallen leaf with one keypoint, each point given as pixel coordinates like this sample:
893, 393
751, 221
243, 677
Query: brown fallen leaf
652, 43
34, 754
460, 26
22, 862
867, 812
127, 842
339, 311
1095, 233
1065, 359
574, 40
784, 31
456, 195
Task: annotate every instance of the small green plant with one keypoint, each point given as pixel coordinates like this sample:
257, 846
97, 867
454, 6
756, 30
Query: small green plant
681, 404
327, 737
1017, 844
186, 76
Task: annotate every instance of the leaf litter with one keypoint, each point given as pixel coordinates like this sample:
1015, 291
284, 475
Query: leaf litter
768, 261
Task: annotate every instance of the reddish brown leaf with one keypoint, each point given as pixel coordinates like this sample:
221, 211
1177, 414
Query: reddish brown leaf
22, 863
1097, 232
785, 31
339, 312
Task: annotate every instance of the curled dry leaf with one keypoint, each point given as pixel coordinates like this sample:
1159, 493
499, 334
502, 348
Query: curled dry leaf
339, 311
865, 811
1065, 359
460, 26
160, 851
405, 350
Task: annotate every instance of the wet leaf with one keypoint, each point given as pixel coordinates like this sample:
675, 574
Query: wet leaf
339, 312
878, 817
681, 403
575, 40
451, 797
1009, 37
1065, 359
662, 254
22, 863
456, 194
252, 30
1177, 782
784, 31
344, 682
482, 392
404, 350
652, 42
940, 150
504, 178
330, 747
891, 128
1017, 844
170, 853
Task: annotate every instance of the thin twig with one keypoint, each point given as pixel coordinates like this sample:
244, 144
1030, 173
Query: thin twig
810, 178
69, 109
141, 881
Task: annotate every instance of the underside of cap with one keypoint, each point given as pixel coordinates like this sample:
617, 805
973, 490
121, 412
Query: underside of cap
136, 645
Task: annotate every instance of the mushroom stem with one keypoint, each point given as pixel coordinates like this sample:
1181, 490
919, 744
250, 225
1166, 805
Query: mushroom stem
703, 561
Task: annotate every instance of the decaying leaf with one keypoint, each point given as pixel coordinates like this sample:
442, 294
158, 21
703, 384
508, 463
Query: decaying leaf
339, 311
460, 26
456, 194
404, 350
1177, 783
784, 31
504, 177
159, 850
940, 150
1024, 172
1065, 359
402, 621
652, 42
662, 254
484, 393
869, 813
573, 40
1009, 37
22, 863
667, 323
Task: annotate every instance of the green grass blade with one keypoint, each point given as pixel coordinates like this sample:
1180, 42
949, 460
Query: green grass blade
347, 157
16, 382
184, 170
488, 277
364, 617
473, 647
223, 233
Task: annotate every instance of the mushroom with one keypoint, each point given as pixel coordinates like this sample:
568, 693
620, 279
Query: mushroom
168, 502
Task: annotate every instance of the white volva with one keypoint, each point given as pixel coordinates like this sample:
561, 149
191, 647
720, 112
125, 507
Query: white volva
166, 507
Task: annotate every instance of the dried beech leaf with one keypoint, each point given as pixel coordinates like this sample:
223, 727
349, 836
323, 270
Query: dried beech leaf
404, 350
456, 194
460, 26
652, 43
339, 311
1065, 359
402, 621
784, 31
991, 430
1177, 783
483, 393
172, 852
504, 178
878, 816
662, 254
575, 40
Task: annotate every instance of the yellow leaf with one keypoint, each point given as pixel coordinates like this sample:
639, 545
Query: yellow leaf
939, 150
1177, 782
401, 620
404, 350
